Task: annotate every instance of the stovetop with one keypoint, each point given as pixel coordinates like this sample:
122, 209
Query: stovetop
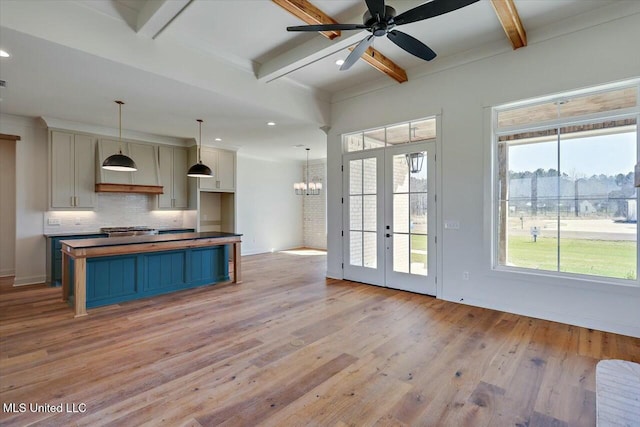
128, 231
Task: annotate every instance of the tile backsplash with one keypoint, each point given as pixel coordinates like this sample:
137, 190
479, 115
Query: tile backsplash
118, 210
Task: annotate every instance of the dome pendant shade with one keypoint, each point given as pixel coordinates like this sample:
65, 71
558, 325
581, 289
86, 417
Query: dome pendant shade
200, 170
119, 162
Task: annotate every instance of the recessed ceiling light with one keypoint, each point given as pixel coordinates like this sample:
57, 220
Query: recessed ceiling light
271, 123
4, 54
340, 62
218, 139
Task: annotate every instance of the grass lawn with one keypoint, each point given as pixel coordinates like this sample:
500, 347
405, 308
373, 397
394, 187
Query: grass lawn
596, 257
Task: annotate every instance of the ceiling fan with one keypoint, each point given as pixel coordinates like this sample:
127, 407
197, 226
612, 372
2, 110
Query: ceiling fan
380, 20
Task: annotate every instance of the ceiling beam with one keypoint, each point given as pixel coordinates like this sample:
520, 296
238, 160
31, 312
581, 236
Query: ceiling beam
384, 65
155, 15
510, 20
309, 14
302, 55
306, 54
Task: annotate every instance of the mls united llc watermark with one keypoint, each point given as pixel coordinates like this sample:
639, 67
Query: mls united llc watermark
22, 407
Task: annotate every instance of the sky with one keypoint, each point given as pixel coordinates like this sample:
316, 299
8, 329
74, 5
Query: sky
580, 157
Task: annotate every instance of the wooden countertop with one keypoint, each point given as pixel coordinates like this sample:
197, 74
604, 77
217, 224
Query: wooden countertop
136, 240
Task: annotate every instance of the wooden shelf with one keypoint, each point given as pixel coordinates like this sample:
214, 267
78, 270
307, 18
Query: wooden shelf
129, 188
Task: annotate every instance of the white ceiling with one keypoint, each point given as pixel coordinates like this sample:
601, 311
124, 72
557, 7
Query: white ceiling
71, 59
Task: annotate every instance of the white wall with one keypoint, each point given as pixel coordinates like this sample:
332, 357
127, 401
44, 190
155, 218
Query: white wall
31, 196
603, 53
269, 214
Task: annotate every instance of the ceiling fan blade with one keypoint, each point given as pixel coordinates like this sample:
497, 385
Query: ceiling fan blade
411, 45
376, 8
431, 9
357, 52
328, 27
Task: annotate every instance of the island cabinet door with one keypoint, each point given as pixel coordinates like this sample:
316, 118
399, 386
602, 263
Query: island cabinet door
209, 265
111, 279
164, 271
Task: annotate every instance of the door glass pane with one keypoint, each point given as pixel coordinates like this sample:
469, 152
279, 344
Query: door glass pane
418, 218
400, 213
401, 253
370, 176
355, 177
355, 212
419, 254
355, 252
369, 213
400, 174
418, 182
370, 250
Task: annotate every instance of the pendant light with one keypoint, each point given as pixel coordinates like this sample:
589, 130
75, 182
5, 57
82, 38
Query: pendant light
307, 188
200, 170
119, 162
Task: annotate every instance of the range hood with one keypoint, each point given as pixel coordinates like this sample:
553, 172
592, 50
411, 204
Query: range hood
146, 180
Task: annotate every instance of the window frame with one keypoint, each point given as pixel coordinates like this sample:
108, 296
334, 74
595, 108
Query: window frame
494, 182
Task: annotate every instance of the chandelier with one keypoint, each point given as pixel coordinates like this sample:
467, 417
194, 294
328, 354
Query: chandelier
307, 188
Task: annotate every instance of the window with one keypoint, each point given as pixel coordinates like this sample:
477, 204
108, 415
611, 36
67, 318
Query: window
416, 131
563, 184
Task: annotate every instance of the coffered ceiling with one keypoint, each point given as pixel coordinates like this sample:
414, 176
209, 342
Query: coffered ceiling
230, 62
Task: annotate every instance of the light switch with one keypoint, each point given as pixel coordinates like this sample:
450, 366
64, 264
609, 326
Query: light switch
452, 225
54, 221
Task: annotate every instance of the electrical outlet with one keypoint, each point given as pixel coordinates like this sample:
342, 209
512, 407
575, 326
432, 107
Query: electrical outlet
54, 221
465, 275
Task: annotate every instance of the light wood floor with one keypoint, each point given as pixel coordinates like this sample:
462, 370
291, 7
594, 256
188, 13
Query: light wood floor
289, 348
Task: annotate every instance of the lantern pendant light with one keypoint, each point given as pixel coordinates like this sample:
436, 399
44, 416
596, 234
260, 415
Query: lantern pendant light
200, 170
119, 162
415, 161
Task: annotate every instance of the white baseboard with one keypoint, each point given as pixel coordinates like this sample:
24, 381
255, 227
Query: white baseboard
334, 274
604, 325
7, 272
29, 280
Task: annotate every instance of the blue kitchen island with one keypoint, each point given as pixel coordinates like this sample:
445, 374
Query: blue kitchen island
117, 269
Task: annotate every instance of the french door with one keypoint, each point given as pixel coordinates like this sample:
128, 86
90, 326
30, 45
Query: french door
388, 213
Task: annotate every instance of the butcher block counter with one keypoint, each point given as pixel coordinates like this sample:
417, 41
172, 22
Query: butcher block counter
116, 269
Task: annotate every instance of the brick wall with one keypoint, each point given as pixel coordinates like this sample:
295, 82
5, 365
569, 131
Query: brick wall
315, 209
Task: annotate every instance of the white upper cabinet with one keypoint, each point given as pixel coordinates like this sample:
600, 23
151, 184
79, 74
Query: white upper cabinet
72, 170
223, 165
173, 176
226, 179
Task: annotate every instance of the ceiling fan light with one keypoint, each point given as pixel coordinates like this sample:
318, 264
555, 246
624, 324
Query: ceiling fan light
200, 170
119, 162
